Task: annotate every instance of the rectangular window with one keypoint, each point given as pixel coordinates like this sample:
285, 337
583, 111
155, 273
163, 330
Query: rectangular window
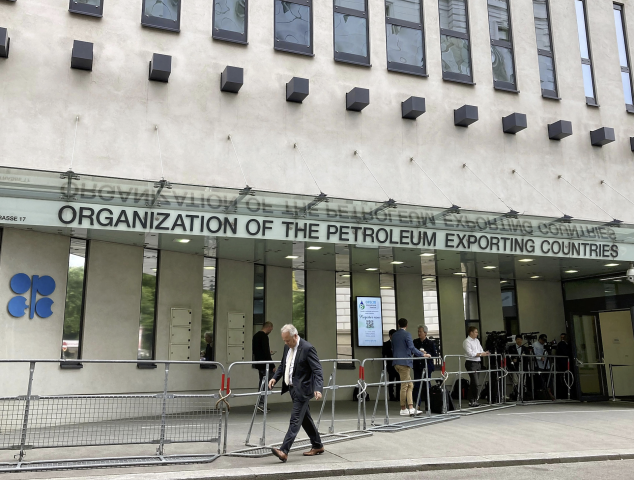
75, 300
586, 54
430, 311
405, 36
624, 58
344, 302
352, 32
388, 303
509, 307
147, 321
502, 56
94, 8
455, 50
164, 14
299, 301
259, 275
294, 26
545, 54
230, 20
207, 337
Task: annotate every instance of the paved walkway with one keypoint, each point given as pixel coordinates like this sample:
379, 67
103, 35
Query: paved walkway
538, 434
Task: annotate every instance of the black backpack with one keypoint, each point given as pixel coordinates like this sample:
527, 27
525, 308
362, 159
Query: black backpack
458, 386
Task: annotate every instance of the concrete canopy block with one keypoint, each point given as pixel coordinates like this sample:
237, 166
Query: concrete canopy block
465, 115
82, 55
413, 107
160, 67
559, 130
4, 42
602, 136
513, 123
357, 99
632, 143
297, 89
232, 79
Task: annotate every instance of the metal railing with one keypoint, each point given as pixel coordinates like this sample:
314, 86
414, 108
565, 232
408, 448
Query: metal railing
333, 387
528, 366
611, 366
35, 421
496, 375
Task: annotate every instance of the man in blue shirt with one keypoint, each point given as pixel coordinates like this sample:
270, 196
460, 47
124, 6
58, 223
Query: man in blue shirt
403, 347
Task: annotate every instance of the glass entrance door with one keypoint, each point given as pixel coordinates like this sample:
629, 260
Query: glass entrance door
590, 376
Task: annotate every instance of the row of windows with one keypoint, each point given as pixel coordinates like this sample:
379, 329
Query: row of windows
404, 36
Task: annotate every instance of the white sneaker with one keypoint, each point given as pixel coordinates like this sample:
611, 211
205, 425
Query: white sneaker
414, 411
405, 412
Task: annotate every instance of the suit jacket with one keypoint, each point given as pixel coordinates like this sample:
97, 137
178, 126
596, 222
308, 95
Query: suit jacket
307, 374
514, 361
563, 349
430, 348
402, 347
261, 349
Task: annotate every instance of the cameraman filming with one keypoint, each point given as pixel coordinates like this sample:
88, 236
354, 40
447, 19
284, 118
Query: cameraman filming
515, 352
543, 364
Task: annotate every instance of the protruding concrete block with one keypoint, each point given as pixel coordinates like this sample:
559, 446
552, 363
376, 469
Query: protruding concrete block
559, 130
160, 67
297, 89
413, 107
465, 115
357, 99
5, 42
602, 136
82, 55
515, 122
632, 143
232, 79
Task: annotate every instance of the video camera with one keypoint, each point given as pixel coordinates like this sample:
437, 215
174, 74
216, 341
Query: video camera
530, 337
496, 341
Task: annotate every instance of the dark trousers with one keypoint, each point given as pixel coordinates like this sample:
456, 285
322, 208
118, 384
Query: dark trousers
261, 375
474, 381
300, 417
418, 374
392, 375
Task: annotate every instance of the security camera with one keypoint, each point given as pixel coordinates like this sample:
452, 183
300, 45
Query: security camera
630, 273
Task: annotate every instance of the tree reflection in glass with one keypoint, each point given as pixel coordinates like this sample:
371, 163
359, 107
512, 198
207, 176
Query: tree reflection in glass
455, 55
162, 9
502, 59
351, 35
404, 45
292, 23
230, 15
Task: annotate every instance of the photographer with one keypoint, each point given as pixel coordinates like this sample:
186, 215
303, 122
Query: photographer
425, 345
515, 352
473, 364
543, 364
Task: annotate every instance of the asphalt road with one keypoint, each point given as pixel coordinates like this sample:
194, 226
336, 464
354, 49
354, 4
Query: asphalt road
614, 470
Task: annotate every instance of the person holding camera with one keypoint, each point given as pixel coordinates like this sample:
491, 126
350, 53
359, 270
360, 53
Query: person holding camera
425, 345
515, 353
543, 364
473, 364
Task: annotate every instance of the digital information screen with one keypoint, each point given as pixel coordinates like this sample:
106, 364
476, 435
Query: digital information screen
369, 322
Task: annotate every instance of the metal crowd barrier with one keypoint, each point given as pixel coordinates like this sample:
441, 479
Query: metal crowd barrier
497, 375
34, 421
387, 426
550, 370
611, 366
261, 449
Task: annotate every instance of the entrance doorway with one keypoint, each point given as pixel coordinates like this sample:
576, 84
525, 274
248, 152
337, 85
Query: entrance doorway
617, 336
590, 373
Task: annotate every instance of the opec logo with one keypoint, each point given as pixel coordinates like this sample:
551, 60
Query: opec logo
361, 305
21, 283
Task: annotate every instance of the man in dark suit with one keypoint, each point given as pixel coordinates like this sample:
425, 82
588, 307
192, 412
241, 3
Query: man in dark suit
425, 345
392, 375
563, 349
262, 353
301, 373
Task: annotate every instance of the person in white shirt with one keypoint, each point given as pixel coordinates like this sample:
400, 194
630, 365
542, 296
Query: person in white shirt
473, 364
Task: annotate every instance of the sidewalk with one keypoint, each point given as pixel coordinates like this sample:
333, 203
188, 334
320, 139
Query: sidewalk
520, 435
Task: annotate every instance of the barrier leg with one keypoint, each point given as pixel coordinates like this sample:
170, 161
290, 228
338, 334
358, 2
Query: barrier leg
27, 406
555, 380
420, 387
161, 447
427, 387
520, 393
611, 384
490, 383
376, 401
386, 380
459, 385
323, 403
255, 411
334, 395
266, 403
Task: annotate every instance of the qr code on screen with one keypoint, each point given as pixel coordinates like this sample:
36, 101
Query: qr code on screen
369, 323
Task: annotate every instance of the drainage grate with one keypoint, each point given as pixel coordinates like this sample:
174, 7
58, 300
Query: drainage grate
105, 462
302, 444
413, 423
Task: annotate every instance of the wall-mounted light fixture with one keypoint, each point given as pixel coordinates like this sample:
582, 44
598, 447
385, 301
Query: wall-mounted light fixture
357, 99
513, 123
231, 79
465, 115
602, 136
559, 130
82, 55
413, 107
297, 89
160, 67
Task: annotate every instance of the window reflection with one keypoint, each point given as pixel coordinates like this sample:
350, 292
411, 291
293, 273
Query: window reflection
74, 305
147, 320
230, 15
542, 29
588, 86
352, 4
162, 9
351, 35
453, 15
292, 23
502, 59
94, 3
455, 55
547, 73
208, 308
299, 302
408, 10
405, 45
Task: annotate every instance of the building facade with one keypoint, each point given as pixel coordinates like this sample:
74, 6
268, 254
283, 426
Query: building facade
173, 163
